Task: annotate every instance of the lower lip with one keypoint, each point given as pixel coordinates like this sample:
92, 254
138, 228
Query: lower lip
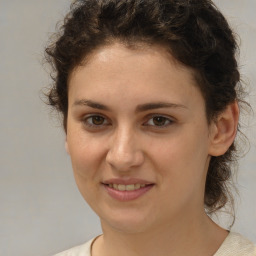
127, 195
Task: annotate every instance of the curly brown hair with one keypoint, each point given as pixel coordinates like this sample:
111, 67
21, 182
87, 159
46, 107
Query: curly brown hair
193, 31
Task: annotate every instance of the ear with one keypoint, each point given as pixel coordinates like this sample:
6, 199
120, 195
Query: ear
223, 130
66, 146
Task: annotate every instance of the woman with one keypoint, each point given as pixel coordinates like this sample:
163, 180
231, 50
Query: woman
149, 91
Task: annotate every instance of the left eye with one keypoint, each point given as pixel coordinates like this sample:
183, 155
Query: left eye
159, 121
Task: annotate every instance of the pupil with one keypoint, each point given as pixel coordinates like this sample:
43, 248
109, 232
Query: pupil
159, 120
97, 120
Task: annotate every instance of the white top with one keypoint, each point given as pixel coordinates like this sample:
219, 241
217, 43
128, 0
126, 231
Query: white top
233, 245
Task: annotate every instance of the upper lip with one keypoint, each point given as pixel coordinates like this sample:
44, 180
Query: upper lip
127, 181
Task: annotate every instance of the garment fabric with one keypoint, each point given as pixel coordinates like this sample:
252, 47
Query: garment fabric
233, 245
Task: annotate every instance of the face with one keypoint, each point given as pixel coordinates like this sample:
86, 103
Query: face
138, 137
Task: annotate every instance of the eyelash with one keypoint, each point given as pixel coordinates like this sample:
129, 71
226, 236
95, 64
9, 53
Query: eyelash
152, 116
166, 119
86, 118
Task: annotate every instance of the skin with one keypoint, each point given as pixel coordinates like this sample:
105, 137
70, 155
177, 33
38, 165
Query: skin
172, 153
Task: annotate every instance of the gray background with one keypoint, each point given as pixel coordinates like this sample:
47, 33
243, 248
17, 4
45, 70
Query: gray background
41, 210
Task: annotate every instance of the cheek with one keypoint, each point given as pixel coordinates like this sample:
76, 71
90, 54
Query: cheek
182, 158
86, 154
86, 157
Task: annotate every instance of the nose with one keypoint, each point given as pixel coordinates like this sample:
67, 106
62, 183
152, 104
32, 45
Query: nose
124, 152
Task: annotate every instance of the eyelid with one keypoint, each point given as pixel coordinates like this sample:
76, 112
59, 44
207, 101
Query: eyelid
86, 117
168, 118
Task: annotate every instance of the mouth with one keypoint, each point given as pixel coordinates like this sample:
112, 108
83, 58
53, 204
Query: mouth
127, 192
129, 187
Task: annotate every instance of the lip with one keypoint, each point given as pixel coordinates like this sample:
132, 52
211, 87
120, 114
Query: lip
127, 181
125, 195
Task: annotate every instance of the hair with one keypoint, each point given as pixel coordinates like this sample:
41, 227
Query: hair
193, 31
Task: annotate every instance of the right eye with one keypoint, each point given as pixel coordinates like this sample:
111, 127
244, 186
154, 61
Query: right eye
95, 121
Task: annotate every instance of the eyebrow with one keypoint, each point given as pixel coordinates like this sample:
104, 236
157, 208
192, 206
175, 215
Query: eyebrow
150, 106
91, 104
139, 108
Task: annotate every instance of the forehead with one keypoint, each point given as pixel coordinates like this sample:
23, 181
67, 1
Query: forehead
134, 58
141, 72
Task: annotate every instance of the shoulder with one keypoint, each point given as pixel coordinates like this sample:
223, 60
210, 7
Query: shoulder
81, 250
236, 245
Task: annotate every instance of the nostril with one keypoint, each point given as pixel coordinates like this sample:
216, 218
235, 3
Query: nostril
124, 161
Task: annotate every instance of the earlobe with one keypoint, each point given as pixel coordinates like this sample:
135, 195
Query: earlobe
223, 130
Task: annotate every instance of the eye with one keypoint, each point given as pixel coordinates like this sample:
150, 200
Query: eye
96, 121
159, 121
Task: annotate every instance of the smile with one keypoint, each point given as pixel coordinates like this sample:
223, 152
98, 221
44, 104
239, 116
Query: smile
130, 187
122, 192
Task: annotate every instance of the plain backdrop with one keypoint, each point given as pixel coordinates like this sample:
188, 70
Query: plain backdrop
41, 210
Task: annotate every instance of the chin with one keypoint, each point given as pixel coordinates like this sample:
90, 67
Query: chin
126, 223
128, 228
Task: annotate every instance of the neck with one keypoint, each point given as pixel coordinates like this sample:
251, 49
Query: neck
190, 236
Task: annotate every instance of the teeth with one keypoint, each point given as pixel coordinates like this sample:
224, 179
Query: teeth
130, 187
137, 186
121, 187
